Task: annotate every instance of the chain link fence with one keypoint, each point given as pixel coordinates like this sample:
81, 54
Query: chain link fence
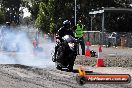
109, 39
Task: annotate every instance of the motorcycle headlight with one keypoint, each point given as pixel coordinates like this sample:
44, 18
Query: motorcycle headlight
71, 45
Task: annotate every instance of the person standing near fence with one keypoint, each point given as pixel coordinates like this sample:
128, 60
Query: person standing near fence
37, 37
79, 35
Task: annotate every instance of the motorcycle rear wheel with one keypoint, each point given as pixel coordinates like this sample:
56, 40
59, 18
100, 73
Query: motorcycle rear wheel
58, 66
59, 55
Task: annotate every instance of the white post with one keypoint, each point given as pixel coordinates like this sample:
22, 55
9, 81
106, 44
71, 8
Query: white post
91, 23
103, 22
75, 12
102, 28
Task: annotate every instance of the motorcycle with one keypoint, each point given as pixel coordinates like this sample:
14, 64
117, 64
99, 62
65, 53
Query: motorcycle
66, 53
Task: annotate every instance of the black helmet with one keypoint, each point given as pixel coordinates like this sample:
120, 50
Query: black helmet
67, 23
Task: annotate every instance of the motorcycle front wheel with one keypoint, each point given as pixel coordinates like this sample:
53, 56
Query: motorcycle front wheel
71, 63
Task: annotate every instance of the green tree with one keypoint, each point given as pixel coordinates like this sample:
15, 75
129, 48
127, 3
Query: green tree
1, 17
42, 18
11, 10
56, 11
45, 16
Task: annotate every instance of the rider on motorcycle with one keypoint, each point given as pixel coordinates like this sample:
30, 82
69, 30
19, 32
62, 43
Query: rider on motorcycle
64, 30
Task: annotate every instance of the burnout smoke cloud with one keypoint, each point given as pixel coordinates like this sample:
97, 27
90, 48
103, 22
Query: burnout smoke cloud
16, 48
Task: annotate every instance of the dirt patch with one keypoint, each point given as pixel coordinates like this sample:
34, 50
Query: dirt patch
109, 61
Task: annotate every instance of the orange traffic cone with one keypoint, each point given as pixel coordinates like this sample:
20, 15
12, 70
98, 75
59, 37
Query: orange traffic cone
88, 43
99, 60
87, 51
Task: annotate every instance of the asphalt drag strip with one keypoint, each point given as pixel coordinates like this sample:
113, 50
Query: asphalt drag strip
21, 76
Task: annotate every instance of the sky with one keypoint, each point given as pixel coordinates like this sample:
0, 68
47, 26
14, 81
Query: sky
26, 12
